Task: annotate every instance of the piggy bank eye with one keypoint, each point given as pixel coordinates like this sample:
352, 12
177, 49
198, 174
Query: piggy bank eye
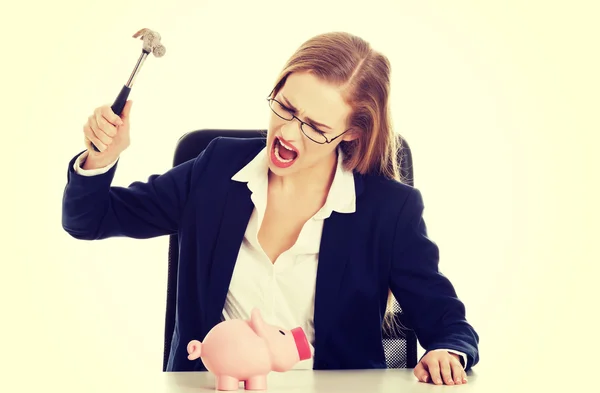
282, 332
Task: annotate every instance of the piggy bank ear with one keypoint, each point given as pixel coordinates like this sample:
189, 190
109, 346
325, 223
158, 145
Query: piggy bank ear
257, 323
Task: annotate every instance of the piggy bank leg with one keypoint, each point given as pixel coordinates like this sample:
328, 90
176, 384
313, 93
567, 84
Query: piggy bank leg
258, 382
225, 382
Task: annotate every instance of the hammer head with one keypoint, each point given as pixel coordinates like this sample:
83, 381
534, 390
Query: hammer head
151, 42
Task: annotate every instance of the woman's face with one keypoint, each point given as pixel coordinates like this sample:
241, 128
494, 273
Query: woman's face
320, 105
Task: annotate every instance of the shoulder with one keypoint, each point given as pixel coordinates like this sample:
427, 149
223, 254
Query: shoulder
235, 150
227, 155
389, 202
387, 193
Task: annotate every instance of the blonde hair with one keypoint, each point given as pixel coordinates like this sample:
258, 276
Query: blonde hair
363, 76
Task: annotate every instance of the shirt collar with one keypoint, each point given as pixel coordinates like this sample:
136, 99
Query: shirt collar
341, 197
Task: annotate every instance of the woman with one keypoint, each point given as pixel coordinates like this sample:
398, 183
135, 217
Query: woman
311, 223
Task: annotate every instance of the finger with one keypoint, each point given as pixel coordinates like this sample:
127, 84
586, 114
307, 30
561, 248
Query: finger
420, 372
88, 144
91, 136
464, 376
101, 135
446, 371
457, 371
111, 116
127, 109
106, 127
434, 372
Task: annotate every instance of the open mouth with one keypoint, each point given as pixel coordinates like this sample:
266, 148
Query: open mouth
283, 155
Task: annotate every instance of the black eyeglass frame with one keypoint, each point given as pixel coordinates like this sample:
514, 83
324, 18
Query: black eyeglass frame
302, 123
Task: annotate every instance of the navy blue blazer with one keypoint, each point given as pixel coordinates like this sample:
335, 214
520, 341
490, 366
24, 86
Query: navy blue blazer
382, 245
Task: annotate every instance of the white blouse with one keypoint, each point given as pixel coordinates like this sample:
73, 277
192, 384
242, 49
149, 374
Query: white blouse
284, 291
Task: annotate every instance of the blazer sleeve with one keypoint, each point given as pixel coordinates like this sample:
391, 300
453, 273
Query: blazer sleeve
93, 209
425, 295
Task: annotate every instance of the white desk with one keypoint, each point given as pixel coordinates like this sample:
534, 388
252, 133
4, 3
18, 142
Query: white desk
301, 381
295, 381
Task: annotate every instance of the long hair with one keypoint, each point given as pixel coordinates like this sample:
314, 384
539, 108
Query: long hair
363, 76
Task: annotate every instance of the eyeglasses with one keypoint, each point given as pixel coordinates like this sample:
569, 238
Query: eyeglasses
309, 131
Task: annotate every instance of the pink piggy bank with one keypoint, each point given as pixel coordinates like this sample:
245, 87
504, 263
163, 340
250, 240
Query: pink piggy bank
247, 350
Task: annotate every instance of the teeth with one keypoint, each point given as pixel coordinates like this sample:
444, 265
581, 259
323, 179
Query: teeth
279, 157
287, 147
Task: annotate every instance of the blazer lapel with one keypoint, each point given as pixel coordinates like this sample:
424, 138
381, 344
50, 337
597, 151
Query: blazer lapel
236, 215
333, 258
334, 253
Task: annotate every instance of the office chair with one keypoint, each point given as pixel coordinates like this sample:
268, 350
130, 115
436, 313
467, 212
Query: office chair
399, 343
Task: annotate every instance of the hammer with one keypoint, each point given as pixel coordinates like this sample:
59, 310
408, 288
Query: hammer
151, 44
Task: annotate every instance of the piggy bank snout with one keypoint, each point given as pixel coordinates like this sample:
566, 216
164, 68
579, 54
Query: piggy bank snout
301, 343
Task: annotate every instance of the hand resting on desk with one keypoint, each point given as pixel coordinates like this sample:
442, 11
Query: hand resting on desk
441, 367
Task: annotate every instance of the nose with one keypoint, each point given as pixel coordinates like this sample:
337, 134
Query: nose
301, 343
291, 130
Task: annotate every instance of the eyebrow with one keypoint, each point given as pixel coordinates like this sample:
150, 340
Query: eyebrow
308, 118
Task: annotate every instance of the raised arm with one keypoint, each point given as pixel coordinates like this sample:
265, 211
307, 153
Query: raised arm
93, 209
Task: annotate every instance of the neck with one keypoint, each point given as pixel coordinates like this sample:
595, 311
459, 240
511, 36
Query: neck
311, 180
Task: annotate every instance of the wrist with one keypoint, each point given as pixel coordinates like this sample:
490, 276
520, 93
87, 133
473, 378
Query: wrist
92, 162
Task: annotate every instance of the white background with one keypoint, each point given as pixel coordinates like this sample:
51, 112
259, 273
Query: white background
498, 100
